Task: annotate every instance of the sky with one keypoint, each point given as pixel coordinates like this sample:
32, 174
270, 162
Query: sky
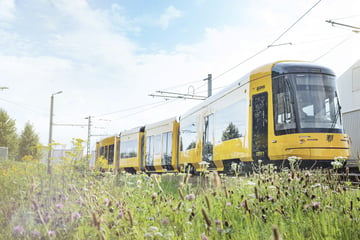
108, 56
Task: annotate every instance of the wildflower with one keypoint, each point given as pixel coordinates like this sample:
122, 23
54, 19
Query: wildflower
218, 222
158, 234
52, 233
106, 201
293, 159
340, 159
148, 235
154, 195
81, 201
228, 204
250, 183
121, 214
75, 215
47, 217
337, 164
138, 182
271, 187
153, 229
306, 207
316, 185
190, 197
315, 205
59, 206
165, 221
36, 234
18, 230
204, 237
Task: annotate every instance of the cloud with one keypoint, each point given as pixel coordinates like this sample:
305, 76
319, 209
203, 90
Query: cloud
7, 10
170, 14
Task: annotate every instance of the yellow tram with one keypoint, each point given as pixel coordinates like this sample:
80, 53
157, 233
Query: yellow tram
282, 109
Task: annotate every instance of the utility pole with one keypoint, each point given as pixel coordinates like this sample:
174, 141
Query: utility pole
209, 79
89, 137
50, 130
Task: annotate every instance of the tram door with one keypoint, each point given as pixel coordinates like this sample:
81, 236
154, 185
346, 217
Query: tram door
260, 127
208, 139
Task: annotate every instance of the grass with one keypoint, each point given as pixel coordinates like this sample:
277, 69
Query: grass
73, 203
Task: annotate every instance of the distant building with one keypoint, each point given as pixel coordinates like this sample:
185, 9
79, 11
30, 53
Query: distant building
349, 92
4, 153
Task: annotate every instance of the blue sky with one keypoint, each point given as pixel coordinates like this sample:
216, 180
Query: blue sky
108, 56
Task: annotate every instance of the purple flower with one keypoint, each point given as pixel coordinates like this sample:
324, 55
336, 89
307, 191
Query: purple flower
315, 205
75, 215
81, 201
52, 233
19, 230
165, 221
106, 201
228, 204
190, 197
36, 234
59, 206
204, 237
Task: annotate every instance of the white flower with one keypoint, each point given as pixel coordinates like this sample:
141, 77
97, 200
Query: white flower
337, 164
316, 185
250, 183
153, 229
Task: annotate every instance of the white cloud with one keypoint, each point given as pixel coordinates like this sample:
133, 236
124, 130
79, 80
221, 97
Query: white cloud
7, 10
170, 14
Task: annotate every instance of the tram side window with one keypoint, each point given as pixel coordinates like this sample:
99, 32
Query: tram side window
188, 137
157, 144
166, 148
284, 116
128, 149
111, 154
102, 151
149, 150
231, 122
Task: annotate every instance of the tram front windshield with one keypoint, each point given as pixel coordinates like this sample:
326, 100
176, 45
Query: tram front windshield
306, 103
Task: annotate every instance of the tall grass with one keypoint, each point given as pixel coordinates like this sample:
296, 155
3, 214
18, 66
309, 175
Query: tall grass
73, 203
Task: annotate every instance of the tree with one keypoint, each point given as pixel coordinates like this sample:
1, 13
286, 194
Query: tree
29, 141
230, 132
8, 135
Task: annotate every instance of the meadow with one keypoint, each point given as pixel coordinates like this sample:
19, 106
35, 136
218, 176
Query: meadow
73, 202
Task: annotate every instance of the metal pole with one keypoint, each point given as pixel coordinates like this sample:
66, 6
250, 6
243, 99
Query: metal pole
89, 137
209, 85
209, 79
50, 131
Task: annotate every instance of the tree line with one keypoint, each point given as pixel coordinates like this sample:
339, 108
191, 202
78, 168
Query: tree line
21, 146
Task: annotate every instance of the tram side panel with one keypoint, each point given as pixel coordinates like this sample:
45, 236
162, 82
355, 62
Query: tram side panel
106, 148
131, 150
161, 141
